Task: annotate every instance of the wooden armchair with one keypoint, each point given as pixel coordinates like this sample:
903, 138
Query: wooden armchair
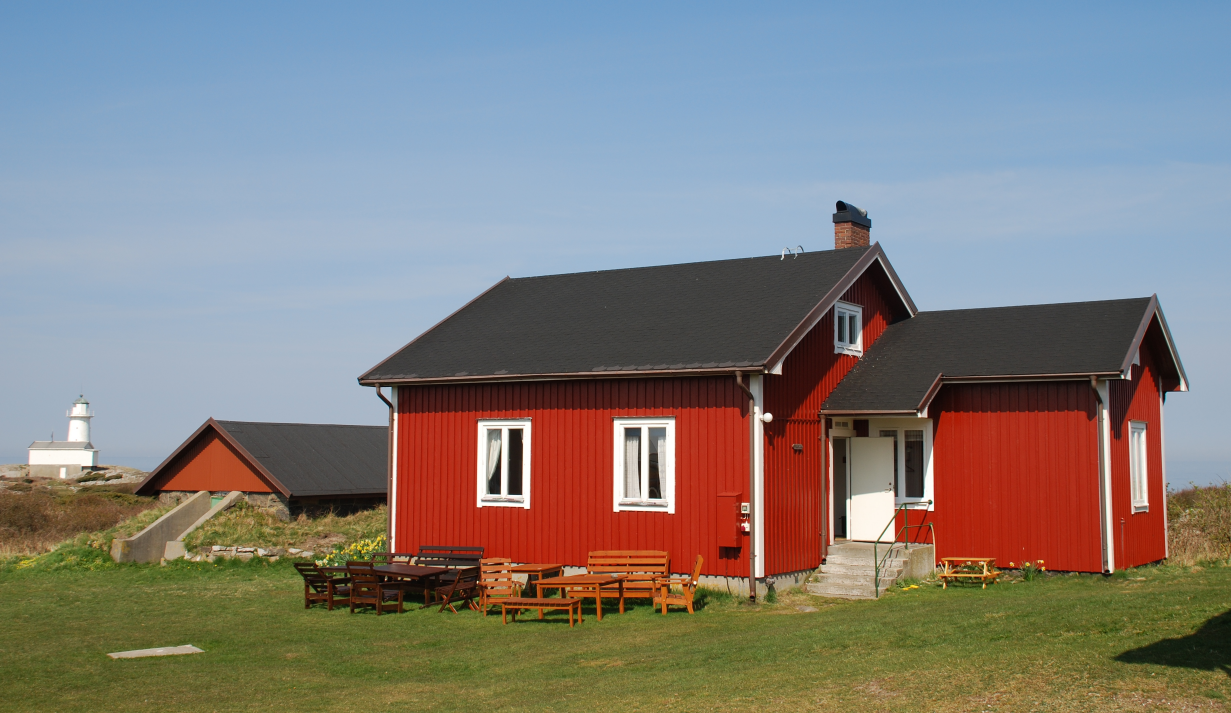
496, 582
687, 585
367, 590
320, 587
463, 588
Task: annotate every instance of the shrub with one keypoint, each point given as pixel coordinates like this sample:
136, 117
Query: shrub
361, 550
37, 520
1199, 523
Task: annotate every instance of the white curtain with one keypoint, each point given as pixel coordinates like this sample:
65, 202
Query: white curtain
493, 461
632, 463
659, 444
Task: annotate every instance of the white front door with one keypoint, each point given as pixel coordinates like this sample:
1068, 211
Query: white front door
871, 491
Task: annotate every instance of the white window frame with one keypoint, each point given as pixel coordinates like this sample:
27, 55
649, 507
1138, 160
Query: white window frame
666, 464
508, 501
840, 312
1138, 465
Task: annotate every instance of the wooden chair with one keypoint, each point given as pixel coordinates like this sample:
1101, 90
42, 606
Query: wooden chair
320, 587
452, 558
496, 582
367, 589
688, 587
464, 588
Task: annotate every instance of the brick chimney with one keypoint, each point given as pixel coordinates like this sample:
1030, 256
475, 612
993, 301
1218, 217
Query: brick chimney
851, 227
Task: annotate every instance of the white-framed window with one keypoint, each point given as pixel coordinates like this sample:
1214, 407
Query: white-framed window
644, 474
848, 329
1138, 472
504, 463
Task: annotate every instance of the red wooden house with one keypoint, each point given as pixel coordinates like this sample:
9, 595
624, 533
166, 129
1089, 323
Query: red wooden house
755, 411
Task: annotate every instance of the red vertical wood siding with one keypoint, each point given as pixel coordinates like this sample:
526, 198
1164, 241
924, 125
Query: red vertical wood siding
796, 495
1139, 538
211, 464
1015, 470
571, 478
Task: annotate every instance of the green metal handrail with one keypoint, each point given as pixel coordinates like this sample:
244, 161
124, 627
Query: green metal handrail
878, 561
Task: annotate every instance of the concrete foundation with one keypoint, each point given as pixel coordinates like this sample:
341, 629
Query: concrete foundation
150, 544
54, 471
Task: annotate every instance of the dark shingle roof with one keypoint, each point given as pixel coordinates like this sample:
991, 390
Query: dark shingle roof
313, 460
1073, 338
729, 313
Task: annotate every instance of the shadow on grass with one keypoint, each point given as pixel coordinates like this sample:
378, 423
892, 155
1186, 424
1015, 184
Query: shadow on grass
1208, 648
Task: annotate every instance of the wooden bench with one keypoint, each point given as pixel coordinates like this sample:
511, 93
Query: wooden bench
642, 568
456, 559
518, 603
951, 570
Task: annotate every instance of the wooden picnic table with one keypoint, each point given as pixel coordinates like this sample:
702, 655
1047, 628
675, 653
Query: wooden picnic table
429, 577
951, 570
584, 585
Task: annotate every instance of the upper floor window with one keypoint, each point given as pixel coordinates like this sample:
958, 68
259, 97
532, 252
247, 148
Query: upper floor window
848, 329
645, 464
1137, 466
504, 463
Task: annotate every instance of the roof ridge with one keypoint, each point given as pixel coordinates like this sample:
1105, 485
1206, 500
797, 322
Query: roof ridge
1037, 304
296, 423
679, 264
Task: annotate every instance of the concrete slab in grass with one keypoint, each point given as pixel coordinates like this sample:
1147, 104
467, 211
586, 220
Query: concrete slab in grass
165, 651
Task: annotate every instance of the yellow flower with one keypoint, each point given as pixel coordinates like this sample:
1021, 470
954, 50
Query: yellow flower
1012, 565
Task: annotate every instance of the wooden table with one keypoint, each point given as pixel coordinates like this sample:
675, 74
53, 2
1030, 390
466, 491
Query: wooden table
584, 585
414, 572
535, 572
951, 565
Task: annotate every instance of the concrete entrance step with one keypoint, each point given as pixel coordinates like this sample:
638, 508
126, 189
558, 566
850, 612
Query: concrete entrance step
844, 591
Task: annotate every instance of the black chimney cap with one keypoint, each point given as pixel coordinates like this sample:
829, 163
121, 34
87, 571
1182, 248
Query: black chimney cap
848, 213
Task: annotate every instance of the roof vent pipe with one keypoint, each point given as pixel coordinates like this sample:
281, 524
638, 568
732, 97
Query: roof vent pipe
851, 227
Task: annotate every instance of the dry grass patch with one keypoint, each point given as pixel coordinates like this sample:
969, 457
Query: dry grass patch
36, 519
1199, 520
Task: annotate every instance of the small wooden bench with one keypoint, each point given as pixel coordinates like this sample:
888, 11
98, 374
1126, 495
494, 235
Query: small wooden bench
951, 570
642, 567
518, 603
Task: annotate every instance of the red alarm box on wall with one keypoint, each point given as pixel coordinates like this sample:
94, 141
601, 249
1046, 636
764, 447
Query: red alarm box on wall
730, 532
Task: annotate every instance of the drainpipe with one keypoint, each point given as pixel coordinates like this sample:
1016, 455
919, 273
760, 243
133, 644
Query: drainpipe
752, 486
1105, 514
388, 474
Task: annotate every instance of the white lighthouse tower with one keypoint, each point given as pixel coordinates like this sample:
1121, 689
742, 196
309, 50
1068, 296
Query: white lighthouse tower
66, 459
79, 421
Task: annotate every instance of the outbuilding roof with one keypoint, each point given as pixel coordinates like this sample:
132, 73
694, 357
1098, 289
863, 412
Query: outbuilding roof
902, 371
303, 459
695, 317
62, 446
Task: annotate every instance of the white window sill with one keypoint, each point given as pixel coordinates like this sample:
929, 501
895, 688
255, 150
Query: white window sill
502, 502
645, 505
839, 349
1141, 507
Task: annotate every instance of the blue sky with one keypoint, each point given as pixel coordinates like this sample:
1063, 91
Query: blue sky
232, 211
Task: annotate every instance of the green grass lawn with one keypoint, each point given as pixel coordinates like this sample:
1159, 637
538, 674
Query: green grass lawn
1157, 637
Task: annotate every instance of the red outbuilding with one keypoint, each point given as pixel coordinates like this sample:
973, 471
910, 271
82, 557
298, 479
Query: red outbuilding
759, 411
